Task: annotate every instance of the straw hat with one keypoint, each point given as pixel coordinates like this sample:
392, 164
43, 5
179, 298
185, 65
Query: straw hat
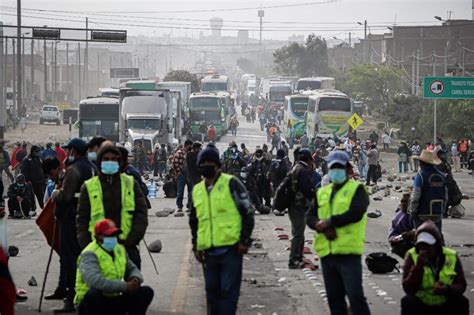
428, 157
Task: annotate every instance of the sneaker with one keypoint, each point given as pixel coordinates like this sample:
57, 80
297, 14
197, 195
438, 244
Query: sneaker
179, 213
278, 213
58, 294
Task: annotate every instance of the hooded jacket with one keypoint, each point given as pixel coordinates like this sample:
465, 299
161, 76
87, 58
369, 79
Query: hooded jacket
413, 274
111, 189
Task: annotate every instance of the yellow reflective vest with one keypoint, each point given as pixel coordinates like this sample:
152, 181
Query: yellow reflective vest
111, 267
219, 220
350, 238
446, 277
94, 189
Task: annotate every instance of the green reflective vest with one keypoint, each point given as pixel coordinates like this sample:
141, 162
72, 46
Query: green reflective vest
350, 238
219, 220
446, 277
112, 268
94, 189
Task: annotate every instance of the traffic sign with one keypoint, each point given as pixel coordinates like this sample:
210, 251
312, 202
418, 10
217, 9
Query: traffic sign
355, 121
448, 88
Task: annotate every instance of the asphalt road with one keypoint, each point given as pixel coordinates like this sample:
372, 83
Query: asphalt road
268, 286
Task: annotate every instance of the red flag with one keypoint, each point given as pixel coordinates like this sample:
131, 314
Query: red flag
48, 225
7, 288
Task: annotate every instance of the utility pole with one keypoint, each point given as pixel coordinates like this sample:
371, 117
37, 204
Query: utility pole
86, 57
78, 57
350, 39
14, 80
98, 69
32, 68
365, 41
463, 61
45, 72
261, 14
435, 102
445, 59
417, 72
2, 84
53, 89
67, 71
19, 78
413, 90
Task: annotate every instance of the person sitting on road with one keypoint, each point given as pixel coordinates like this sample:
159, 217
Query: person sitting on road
402, 231
21, 199
433, 277
107, 281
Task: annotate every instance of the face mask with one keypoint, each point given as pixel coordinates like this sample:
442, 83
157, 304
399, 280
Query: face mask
208, 171
92, 156
109, 167
243, 175
37, 154
20, 185
71, 158
109, 243
259, 158
337, 176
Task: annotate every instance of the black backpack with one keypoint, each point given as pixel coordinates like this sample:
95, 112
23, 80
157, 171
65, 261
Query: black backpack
273, 170
381, 263
283, 194
454, 192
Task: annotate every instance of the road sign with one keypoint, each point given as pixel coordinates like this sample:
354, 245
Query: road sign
448, 88
355, 121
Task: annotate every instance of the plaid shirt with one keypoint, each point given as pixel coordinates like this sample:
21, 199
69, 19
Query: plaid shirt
178, 162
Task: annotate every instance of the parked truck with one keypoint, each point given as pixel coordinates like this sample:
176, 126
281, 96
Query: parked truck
98, 116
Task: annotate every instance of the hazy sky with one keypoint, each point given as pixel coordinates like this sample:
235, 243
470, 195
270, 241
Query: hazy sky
336, 18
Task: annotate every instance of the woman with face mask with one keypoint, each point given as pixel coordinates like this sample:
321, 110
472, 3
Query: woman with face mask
338, 216
221, 221
115, 196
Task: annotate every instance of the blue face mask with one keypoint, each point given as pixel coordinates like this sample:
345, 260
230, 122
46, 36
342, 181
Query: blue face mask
92, 156
109, 167
71, 158
337, 175
109, 243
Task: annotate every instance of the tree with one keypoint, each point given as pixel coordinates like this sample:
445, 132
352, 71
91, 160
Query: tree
310, 59
246, 65
376, 85
185, 76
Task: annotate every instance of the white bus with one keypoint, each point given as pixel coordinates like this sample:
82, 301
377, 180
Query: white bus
215, 83
316, 83
328, 112
295, 113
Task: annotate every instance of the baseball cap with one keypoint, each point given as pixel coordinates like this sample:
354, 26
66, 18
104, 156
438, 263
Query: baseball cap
425, 237
77, 144
337, 157
106, 227
305, 155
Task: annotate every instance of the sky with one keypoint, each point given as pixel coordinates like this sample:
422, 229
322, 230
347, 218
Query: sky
283, 18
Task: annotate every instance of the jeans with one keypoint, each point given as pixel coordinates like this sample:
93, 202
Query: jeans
223, 277
134, 255
181, 183
38, 189
68, 255
457, 163
371, 174
298, 224
416, 164
402, 167
385, 146
458, 305
343, 276
95, 303
234, 131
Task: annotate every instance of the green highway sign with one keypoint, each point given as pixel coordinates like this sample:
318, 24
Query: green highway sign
448, 88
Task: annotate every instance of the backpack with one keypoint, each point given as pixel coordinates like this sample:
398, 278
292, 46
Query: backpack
381, 263
283, 194
170, 187
454, 192
273, 170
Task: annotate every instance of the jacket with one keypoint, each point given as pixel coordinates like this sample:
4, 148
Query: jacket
413, 273
25, 192
242, 202
31, 168
372, 157
111, 196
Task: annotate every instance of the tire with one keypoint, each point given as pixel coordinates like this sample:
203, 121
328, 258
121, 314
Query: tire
41, 121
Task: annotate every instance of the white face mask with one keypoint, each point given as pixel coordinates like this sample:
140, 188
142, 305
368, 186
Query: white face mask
259, 158
243, 175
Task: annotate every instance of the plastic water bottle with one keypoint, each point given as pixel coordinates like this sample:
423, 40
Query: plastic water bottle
152, 189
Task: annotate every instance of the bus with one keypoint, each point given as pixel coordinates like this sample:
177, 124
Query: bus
215, 83
99, 116
109, 92
206, 109
316, 83
327, 115
277, 94
294, 116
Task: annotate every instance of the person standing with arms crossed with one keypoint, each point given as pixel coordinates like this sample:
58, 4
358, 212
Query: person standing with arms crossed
339, 218
221, 221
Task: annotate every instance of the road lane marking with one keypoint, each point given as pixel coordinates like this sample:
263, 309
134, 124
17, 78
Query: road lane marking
179, 295
27, 232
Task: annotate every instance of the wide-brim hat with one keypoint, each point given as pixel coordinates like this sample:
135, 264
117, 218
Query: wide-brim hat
428, 157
